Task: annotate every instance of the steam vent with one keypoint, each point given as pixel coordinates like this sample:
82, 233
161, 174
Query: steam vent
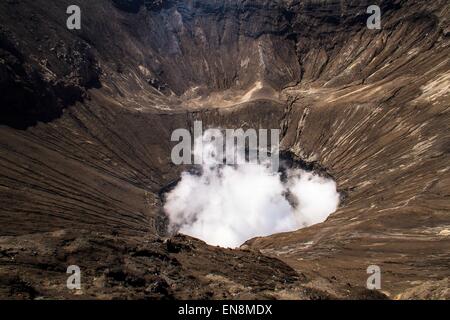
353, 98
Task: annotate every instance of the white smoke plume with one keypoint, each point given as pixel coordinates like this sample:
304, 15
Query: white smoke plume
227, 205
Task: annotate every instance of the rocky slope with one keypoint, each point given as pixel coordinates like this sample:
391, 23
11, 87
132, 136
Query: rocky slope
87, 117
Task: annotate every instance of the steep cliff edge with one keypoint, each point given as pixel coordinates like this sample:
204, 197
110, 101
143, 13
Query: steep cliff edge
87, 116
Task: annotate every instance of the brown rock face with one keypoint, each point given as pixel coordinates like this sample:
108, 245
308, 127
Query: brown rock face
86, 117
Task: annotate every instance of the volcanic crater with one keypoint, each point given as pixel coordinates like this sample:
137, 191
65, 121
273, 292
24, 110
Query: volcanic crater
86, 119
